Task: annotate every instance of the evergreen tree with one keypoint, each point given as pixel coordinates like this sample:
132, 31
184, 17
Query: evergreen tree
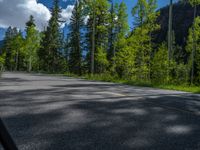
98, 34
111, 31
52, 59
75, 45
145, 20
121, 26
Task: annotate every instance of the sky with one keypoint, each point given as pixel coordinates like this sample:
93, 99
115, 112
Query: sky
15, 13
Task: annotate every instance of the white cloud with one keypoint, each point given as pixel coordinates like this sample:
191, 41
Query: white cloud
66, 14
16, 13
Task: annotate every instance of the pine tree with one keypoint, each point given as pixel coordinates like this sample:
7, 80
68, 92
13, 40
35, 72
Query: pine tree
75, 45
145, 20
52, 59
121, 26
111, 31
97, 27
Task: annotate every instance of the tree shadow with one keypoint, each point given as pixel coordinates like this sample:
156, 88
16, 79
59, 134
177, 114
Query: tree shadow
80, 116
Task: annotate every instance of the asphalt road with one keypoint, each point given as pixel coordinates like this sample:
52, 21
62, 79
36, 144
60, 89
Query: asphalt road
59, 113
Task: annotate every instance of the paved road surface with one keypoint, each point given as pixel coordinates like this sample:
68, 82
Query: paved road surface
60, 113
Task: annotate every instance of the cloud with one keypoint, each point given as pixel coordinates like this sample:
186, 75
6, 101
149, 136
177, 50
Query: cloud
16, 13
66, 14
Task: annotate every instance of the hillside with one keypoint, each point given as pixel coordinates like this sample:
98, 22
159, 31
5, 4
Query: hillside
182, 21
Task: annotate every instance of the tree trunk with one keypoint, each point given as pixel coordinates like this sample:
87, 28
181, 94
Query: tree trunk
93, 42
194, 45
30, 64
16, 61
170, 30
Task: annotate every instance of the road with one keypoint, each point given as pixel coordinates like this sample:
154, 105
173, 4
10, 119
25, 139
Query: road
62, 113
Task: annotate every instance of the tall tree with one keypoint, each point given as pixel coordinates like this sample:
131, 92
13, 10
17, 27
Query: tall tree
75, 45
32, 44
98, 34
194, 60
194, 3
111, 31
170, 33
13, 44
51, 45
145, 16
121, 25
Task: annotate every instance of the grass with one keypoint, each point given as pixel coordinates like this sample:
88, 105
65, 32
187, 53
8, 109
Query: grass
192, 89
109, 78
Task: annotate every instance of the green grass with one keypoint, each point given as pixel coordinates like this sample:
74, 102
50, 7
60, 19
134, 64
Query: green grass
192, 89
109, 78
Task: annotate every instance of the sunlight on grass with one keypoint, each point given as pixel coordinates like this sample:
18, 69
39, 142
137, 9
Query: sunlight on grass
109, 78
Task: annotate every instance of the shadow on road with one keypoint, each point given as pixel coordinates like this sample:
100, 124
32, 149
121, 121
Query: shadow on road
77, 117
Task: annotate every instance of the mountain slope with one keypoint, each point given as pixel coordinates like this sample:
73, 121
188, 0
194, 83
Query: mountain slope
182, 21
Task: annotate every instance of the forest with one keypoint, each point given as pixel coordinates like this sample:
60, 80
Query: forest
100, 44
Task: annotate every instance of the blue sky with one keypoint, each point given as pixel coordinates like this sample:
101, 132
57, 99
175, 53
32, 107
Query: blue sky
16, 13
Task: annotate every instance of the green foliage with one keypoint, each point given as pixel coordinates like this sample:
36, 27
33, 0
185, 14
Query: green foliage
181, 74
49, 53
32, 44
159, 66
105, 47
75, 47
101, 60
125, 59
194, 42
97, 27
13, 49
2, 62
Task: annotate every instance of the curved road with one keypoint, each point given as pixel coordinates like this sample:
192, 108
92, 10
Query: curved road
61, 113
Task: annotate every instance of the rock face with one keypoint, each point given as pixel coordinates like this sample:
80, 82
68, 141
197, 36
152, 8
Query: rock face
182, 21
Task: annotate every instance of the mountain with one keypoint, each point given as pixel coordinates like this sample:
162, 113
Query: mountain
182, 21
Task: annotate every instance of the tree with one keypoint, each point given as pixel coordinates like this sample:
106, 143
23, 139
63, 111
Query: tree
160, 65
194, 60
91, 27
97, 27
125, 58
112, 31
145, 20
170, 33
194, 3
32, 44
52, 59
17, 45
2, 60
121, 27
75, 45
13, 46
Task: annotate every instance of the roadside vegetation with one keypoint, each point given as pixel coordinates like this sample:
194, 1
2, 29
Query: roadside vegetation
101, 46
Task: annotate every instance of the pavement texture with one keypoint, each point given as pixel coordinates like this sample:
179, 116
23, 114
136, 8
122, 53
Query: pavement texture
45, 112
